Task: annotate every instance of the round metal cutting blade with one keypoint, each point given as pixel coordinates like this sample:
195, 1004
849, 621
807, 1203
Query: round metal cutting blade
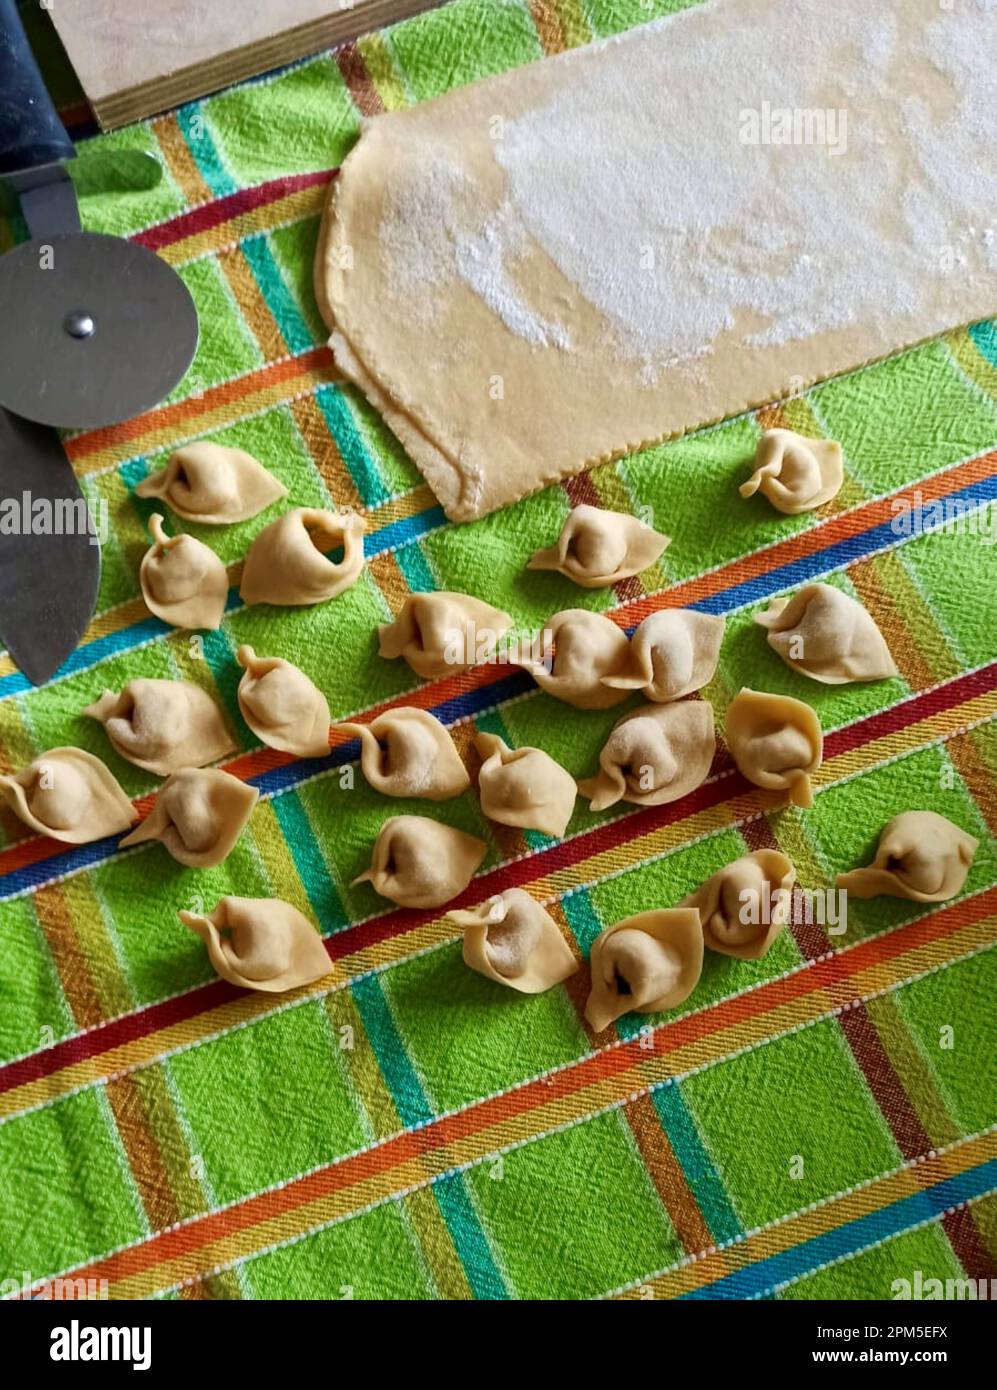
95, 329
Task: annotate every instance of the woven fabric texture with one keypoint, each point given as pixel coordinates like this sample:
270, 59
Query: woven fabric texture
817, 1124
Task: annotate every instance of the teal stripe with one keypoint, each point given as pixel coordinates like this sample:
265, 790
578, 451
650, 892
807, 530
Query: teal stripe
582, 918
415, 569
278, 297
358, 459
465, 1228
193, 125
310, 862
984, 336
702, 1177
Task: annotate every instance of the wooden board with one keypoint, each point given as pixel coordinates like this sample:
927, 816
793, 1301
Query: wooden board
134, 60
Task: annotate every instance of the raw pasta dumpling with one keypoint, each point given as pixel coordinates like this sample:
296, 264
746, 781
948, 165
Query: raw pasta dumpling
645, 963
163, 726
183, 581
524, 787
655, 754
417, 862
796, 474
407, 752
510, 939
213, 484
288, 563
775, 741
439, 634
587, 647
282, 706
261, 943
921, 856
199, 814
672, 653
597, 548
745, 905
826, 635
70, 795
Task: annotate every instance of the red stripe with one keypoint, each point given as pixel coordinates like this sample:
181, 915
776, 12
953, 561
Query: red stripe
210, 215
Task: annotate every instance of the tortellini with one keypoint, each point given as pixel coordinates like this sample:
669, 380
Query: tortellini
407, 752
288, 564
282, 706
261, 943
921, 856
796, 474
70, 795
824, 634
775, 741
439, 634
199, 814
418, 862
745, 905
524, 787
672, 653
645, 963
163, 726
655, 754
183, 581
597, 548
213, 484
510, 939
587, 647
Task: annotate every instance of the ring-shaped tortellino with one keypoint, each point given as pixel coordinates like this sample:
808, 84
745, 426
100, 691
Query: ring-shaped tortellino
70, 795
597, 548
653, 755
283, 707
183, 581
921, 856
511, 939
745, 905
198, 815
288, 563
406, 752
163, 726
825, 634
587, 647
672, 654
644, 964
524, 787
418, 862
796, 474
442, 633
260, 943
775, 741
213, 484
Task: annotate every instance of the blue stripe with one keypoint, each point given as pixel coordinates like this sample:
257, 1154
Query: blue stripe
703, 1179
278, 297
357, 457
416, 572
900, 1216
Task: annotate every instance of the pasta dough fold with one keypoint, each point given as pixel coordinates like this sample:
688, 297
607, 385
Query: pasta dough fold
587, 647
282, 706
644, 964
921, 856
745, 905
287, 563
418, 862
70, 795
826, 635
655, 754
510, 939
442, 633
597, 548
261, 943
199, 815
407, 752
775, 741
672, 653
524, 787
213, 484
183, 581
796, 474
163, 726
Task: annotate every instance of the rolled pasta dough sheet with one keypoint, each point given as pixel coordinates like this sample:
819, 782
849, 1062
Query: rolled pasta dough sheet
552, 267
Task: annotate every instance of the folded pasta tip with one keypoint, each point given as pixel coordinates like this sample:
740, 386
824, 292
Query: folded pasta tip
183, 581
282, 705
260, 943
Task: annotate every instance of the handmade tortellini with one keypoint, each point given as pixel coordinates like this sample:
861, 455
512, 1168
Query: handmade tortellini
524, 787
213, 484
587, 647
406, 752
282, 706
796, 474
921, 856
199, 814
183, 581
597, 548
417, 862
261, 943
70, 795
645, 963
775, 741
672, 653
655, 754
288, 563
745, 905
442, 633
510, 939
824, 634
163, 726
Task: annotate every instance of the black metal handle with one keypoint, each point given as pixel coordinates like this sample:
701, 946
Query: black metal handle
30, 130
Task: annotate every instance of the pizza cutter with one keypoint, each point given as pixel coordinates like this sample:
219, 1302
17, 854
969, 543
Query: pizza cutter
93, 330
